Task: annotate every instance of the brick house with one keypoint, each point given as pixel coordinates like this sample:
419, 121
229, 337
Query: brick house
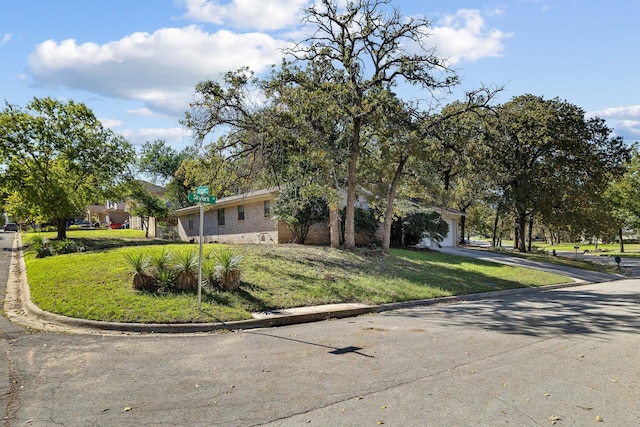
244, 218
247, 218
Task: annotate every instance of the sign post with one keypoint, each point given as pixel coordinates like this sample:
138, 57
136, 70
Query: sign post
201, 196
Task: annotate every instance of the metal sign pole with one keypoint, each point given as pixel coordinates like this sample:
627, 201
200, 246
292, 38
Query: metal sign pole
200, 255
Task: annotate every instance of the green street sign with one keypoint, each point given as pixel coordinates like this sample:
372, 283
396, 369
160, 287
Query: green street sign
193, 197
203, 190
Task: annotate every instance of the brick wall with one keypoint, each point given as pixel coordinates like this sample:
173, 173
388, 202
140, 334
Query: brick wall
254, 228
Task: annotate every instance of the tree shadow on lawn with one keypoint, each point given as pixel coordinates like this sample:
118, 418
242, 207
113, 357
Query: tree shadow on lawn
101, 244
240, 297
541, 313
409, 280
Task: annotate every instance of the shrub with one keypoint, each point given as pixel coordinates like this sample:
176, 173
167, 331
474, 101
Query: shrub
65, 246
161, 262
165, 279
40, 245
227, 268
210, 276
185, 267
139, 264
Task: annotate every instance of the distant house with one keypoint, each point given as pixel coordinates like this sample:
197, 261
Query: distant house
452, 218
114, 214
247, 218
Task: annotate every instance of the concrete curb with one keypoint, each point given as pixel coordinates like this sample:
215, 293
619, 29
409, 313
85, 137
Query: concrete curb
265, 320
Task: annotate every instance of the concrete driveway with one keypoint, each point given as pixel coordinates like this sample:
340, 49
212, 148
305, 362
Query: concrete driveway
575, 273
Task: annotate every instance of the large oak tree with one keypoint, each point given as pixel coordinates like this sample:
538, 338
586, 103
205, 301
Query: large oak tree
371, 47
550, 160
57, 158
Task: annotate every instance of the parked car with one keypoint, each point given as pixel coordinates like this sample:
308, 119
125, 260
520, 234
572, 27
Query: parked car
11, 226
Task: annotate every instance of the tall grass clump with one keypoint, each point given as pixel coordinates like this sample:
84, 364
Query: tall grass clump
185, 266
140, 265
227, 268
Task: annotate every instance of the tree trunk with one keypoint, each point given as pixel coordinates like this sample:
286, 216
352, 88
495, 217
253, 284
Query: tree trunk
349, 221
530, 232
621, 241
463, 220
494, 237
334, 226
522, 222
391, 196
62, 228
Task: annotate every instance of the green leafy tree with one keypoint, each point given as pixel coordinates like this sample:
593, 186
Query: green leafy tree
294, 138
364, 45
623, 196
162, 163
550, 160
233, 163
406, 151
299, 211
58, 158
146, 205
455, 149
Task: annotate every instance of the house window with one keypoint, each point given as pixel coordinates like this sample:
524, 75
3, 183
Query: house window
220, 216
267, 209
240, 212
190, 222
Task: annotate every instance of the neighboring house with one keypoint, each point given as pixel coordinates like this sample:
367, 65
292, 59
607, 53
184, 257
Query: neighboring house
109, 213
117, 213
247, 218
452, 218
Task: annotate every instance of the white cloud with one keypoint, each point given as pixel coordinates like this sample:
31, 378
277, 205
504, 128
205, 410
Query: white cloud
141, 112
463, 37
5, 38
624, 120
176, 137
254, 14
618, 113
161, 68
111, 123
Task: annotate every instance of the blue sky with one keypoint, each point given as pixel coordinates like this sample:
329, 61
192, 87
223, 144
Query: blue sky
135, 63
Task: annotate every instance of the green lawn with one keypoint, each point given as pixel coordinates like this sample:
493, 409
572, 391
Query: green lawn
97, 284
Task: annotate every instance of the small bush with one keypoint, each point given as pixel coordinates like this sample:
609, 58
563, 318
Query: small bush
210, 277
227, 268
165, 279
161, 261
40, 245
65, 246
185, 267
140, 264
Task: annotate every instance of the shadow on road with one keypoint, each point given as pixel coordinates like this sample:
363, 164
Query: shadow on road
334, 350
565, 312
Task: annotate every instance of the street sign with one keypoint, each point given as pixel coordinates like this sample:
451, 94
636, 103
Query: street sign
201, 196
194, 197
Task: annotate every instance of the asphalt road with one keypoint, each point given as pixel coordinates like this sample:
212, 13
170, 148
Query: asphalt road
565, 356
